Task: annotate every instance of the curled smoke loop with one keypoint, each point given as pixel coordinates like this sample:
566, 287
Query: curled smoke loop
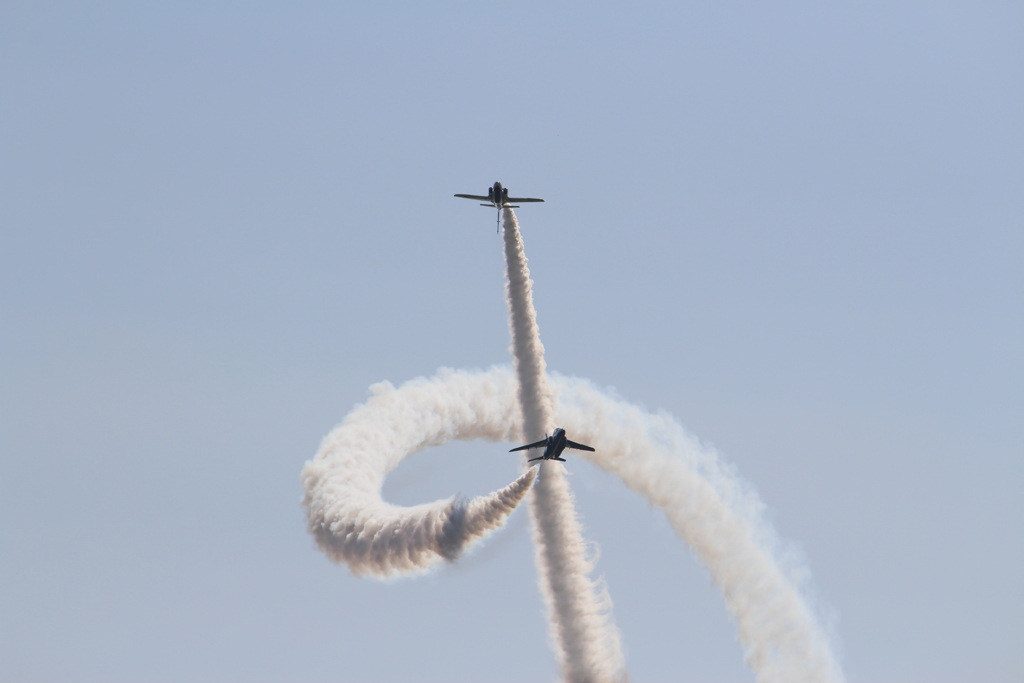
707, 506
348, 518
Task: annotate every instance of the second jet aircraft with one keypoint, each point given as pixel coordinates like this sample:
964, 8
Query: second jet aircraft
553, 446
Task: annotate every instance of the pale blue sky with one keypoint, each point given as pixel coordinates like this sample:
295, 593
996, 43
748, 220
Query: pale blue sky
798, 229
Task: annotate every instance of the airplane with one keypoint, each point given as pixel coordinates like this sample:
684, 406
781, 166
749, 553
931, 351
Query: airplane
553, 446
497, 197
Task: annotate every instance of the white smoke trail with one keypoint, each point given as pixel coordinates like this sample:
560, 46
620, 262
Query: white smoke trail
706, 504
344, 510
586, 641
719, 517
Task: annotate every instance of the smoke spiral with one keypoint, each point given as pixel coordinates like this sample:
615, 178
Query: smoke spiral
345, 513
708, 506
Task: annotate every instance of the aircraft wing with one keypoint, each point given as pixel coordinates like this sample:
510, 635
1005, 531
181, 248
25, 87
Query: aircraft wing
516, 199
474, 196
531, 445
578, 446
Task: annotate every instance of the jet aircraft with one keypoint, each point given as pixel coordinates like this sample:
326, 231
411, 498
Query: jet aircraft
497, 197
553, 446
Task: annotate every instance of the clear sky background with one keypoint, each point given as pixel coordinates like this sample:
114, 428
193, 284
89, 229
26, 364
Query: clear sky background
797, 227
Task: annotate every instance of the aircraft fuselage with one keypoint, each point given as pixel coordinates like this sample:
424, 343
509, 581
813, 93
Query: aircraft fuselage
499, 195
556, 444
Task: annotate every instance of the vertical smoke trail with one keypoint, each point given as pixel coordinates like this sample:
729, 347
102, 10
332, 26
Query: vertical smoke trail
586, 642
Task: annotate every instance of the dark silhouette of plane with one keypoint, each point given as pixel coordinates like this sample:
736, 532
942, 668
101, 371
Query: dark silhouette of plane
497, 197
553, 446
